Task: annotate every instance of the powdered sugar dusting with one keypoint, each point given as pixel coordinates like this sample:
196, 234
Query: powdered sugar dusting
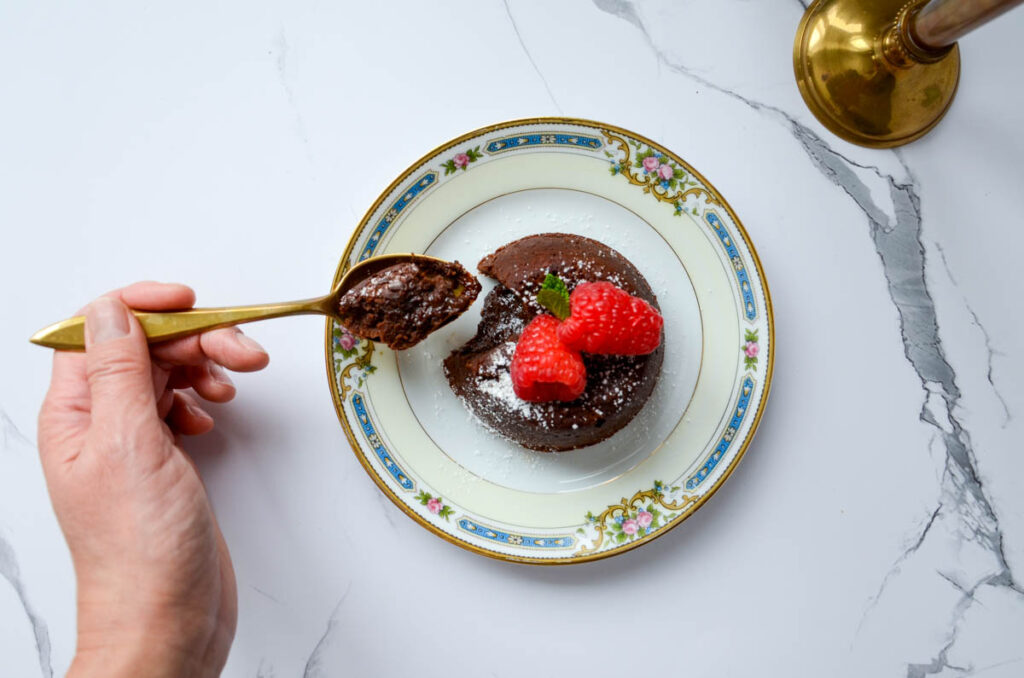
496, 383
464, 436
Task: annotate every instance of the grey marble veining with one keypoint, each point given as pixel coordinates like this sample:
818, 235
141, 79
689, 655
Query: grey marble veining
316, 667
388, 509
266, 99
264, 670
282, 48
9, 433
964, 510
266, 595
526, 51
990, 350
9, 569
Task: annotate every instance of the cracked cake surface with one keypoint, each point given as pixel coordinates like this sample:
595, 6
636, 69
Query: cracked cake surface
478, 372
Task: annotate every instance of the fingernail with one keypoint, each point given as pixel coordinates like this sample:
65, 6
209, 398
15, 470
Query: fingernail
196, 411
249, 342
105, 319
219, 375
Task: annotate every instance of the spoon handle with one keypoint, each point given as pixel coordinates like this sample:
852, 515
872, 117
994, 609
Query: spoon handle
70, 334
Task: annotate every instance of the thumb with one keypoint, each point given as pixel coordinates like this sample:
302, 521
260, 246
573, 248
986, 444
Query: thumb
118, 367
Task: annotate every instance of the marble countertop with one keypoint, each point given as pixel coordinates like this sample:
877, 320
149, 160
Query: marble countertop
876, 525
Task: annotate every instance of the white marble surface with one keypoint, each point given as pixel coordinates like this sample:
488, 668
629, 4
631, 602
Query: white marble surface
876, 526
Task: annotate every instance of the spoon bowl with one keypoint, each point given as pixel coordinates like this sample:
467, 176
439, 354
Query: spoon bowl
69, 334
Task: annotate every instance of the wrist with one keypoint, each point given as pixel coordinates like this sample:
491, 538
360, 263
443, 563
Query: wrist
132, 642
123, 661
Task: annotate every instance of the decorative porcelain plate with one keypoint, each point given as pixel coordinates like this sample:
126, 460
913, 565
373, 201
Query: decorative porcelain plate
425, 450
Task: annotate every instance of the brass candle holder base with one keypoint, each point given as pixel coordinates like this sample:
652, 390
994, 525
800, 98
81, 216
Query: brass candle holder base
865, 77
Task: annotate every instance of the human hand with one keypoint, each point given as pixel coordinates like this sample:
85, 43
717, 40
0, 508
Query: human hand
156, 591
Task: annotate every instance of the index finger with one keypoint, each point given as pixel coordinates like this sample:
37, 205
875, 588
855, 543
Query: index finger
149, 295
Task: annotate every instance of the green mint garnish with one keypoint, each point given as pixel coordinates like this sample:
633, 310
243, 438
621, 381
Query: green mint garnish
553, 282
554, 296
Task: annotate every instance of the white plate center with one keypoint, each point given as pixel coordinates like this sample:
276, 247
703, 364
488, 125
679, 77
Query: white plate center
493, 458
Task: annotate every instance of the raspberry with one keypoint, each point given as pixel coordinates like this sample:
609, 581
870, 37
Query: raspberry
608, 320
543, 369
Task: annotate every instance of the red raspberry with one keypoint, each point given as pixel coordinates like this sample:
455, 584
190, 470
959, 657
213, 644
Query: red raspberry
608, 320
543, 369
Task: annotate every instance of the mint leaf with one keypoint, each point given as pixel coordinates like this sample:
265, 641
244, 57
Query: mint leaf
554, 296
554, 302
553, 282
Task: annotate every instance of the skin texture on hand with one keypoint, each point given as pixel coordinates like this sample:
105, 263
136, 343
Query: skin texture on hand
156, 590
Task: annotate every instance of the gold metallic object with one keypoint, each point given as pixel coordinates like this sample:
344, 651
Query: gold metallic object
70, 334
943, 22
882, 73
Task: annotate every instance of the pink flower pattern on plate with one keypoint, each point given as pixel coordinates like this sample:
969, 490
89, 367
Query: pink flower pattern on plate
434, 504
632, 520
651, 163
461, 160
644, 519
352, 355
750, 349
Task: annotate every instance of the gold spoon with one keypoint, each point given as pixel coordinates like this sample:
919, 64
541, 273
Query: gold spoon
70, 334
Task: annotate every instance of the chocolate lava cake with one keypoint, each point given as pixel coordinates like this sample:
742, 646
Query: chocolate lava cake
478, 372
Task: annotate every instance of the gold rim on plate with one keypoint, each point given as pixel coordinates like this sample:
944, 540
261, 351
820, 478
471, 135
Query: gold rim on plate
688, 510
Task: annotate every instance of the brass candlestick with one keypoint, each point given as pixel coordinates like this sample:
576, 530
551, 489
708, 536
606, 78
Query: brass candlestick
882, 73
